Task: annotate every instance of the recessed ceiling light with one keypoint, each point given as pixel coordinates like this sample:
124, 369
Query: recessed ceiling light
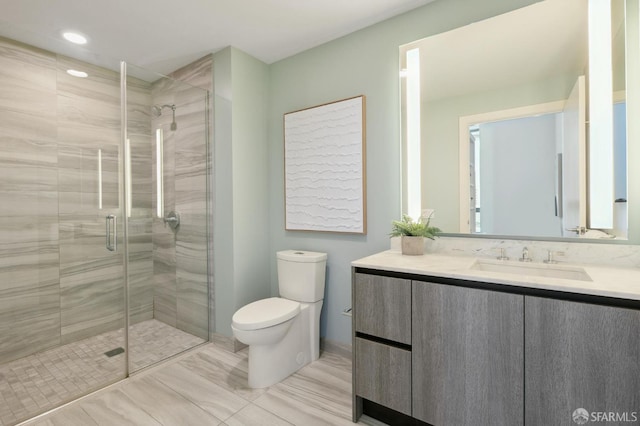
77, 73
75, 37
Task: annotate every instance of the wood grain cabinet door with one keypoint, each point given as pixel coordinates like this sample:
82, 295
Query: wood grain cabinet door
384, 375
580, 355
383, 307
467, 356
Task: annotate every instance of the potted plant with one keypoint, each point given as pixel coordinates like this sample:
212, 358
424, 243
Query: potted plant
412, 234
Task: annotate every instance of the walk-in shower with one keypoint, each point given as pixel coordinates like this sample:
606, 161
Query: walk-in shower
94, 285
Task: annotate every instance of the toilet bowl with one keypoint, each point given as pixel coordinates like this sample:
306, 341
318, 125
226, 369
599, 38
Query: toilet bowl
283, 333
265, 321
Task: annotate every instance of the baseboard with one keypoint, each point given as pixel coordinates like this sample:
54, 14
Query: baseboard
335, 347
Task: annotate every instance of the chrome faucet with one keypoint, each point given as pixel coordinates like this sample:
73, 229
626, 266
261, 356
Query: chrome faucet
525, 255
550, 258
502, 255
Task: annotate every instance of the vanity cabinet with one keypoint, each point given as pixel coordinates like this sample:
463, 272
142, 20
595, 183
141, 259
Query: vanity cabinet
445, 351
580, 355
467, 355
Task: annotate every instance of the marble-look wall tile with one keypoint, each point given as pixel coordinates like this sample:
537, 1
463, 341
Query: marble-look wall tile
91, 277
197, 73
139, 105
191, 272
29, 277
185, 184
164, 273
27, 79
29, 284
28, 164
140, 269
592, 253
58, 282
141, 168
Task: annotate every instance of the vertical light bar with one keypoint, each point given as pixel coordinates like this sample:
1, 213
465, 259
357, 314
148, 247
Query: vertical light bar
127, 170
601, 184
159, 174
100, 179
414, 202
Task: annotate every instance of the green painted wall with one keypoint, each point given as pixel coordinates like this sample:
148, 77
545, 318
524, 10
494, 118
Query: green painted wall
241, 249
365, 62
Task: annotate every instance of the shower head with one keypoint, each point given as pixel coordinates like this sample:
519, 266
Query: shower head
156, 110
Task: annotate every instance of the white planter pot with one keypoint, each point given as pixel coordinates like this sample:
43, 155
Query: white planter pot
412, 245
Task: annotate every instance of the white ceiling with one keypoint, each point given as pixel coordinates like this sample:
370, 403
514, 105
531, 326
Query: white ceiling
163, 35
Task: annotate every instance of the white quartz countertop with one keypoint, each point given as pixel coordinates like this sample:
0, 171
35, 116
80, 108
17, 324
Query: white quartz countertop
618, 282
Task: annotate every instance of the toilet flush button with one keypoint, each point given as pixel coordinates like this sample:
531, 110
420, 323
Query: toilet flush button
298, 252
300, 358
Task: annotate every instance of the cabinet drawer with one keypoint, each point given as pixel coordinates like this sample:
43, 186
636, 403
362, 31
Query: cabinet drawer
382, 307
383, 375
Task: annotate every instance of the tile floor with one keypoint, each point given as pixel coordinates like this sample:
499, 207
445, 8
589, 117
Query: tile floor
208, 386
42, 381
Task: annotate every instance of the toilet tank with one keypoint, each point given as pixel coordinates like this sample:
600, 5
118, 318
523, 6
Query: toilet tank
301, 275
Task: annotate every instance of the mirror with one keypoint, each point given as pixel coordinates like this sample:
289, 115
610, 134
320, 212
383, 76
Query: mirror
494, 122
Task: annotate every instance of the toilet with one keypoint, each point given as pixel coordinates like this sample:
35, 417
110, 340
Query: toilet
283, 333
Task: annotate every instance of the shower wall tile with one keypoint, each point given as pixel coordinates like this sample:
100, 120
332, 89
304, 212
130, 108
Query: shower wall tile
193, 129
191, 273
184, 294
141, 170
102, 85
26, 126
58, 282
197, 73
27, 79
88, 108
91, 279
91, 288
79, 169
140, 269
141, 266
164, 273
28, 165
29, 279
139, 104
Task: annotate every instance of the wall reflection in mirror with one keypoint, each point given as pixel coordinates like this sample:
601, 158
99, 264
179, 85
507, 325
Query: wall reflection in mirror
516, 125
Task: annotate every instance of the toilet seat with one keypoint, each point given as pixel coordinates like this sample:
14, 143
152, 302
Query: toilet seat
265, 313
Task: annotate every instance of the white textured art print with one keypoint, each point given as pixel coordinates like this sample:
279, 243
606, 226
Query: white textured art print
324, 168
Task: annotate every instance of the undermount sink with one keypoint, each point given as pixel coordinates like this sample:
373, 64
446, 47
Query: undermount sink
532, 269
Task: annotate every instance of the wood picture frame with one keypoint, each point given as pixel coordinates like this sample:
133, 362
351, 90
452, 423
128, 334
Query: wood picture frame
325, 167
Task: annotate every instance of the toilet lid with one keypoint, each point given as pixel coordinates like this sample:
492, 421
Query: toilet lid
265, 313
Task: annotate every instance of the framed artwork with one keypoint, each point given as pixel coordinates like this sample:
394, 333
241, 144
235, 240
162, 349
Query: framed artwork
324, 168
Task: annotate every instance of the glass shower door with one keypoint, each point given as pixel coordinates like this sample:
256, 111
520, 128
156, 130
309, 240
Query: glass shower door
91, 255
62, 293
167, 130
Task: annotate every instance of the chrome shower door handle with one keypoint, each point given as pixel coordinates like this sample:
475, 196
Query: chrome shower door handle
111, 232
